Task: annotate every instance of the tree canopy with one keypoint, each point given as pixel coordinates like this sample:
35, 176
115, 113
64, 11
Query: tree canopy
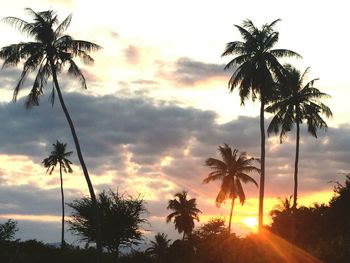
8, 230
122, 219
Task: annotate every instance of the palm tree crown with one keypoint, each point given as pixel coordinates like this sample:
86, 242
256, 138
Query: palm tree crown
159, 247
256, 62
296, 102
185, 212
232, 170
49, 46
58, 156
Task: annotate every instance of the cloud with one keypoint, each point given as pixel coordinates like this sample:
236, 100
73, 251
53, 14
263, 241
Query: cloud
132, 54
189, 72
111, 128
145, 82
31, 200
156, 149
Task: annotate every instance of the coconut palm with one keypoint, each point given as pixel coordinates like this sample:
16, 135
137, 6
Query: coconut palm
232, 170
185, 212
59, 156
295, 103
48, 55
159, 247
255, 67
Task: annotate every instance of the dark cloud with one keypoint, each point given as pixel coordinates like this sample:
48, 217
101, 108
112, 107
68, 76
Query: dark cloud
189, 72
110, 127
118, 132
30, 200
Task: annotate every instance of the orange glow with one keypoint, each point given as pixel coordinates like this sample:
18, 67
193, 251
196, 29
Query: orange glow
287, 252
37, 218
251, 222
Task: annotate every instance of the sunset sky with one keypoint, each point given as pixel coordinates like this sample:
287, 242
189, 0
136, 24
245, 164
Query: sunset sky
157, 106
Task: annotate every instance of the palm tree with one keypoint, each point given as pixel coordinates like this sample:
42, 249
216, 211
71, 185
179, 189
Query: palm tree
297, 102
59, 156
255, 66
159, 247
48, 55
185, 212
232, 171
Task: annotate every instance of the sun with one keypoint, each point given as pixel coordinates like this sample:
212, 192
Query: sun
251, 222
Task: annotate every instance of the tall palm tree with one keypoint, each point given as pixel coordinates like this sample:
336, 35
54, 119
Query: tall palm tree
297, 102
232, 170
185, 212
48, 54
255, 67
59, 156
159, 248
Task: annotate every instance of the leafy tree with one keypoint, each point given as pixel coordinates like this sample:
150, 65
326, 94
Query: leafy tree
48, 55
213, 228
321, 229
255, 67
282, 215
8, 230
184, 213
59, 156
159, 248
121, 218
339, 208
211, 239
232, 170
297, 102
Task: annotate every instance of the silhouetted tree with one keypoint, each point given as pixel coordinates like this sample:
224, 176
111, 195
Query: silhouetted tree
48, 55
282, 217
297, 102
210, 240
159, 249
185, 212
321, 229
231, 171
255, 67
121, 219
213, 228
8, 230
339, 208
59, 156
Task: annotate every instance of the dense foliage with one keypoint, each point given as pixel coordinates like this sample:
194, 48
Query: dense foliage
121, 217
321, 229
8, 230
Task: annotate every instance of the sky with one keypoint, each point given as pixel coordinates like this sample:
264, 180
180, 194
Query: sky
157, 106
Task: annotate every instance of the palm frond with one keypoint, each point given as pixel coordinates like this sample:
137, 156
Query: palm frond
63, 26
279, 53
20, 24
75, 71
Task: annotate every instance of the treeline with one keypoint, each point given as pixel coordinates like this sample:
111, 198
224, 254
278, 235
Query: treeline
318, 233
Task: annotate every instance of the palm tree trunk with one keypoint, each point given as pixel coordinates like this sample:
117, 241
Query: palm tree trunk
81, 160
62, 195
262, 165
229, 222
295, 196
